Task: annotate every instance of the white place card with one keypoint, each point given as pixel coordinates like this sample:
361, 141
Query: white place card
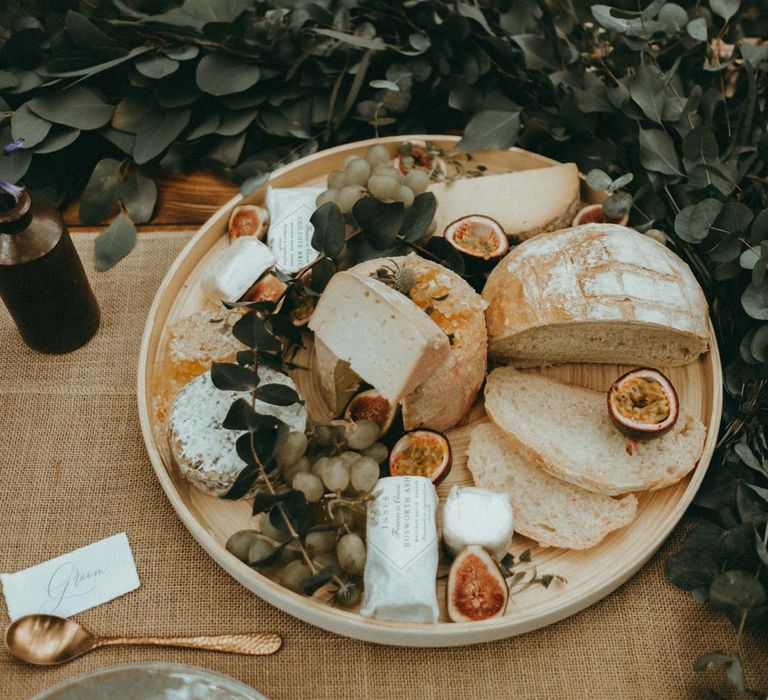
73, 582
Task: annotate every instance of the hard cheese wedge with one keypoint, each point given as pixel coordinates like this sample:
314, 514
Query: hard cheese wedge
525, 203
387, 340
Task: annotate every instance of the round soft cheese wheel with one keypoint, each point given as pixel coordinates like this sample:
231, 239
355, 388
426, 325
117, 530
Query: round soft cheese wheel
203, 449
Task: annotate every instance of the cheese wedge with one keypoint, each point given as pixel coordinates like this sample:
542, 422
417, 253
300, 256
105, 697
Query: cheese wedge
238, 266
387, 340
338, 381
525, 202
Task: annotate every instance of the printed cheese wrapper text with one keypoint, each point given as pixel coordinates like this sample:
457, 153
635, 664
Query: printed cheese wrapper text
402, 556
290, 232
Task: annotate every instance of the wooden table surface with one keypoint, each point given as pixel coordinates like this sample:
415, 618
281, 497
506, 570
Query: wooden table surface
184, 202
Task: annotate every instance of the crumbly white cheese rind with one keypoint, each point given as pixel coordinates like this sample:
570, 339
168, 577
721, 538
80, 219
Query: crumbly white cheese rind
203, 449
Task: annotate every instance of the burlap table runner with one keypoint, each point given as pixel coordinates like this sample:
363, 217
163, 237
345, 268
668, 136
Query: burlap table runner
73, 469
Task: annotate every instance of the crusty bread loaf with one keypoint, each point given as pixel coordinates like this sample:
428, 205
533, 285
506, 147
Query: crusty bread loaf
443, 397
548, 510
525, 202
595, 293
566, 430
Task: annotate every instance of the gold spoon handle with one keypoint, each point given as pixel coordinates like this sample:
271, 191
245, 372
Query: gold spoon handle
259, 644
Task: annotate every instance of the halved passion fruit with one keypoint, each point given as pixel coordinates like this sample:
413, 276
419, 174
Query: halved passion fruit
477, 589
478, 236
248, 220
371, 405
421, 453
643, 403
595, 214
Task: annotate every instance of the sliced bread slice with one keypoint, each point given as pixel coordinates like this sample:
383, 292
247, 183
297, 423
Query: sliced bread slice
546, 509
567, 431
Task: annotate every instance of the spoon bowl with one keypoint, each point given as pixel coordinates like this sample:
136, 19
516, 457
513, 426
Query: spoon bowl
46, 640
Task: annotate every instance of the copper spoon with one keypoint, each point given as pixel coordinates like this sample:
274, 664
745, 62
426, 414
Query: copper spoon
47, 640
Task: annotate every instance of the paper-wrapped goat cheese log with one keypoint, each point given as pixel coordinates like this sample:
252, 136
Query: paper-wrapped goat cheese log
401, 563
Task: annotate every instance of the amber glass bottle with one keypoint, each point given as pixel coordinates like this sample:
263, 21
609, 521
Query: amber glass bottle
42, 281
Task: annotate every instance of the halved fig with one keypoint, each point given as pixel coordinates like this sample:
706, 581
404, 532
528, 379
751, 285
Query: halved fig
248, 220
267, 288
421, 453
477, 589
478, 236
371, 405
595, 214
643, 403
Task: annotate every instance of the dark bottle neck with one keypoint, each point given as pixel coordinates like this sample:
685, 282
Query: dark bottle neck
19, 216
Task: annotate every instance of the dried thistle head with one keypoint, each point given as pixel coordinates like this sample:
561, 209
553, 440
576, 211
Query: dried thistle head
399, 277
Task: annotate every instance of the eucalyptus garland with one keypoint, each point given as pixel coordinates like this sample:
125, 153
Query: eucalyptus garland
663, 104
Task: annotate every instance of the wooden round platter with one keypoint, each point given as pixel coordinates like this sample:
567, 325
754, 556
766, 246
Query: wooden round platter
591, 574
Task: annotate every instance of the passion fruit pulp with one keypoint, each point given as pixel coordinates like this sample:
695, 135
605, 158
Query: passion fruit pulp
248, 220
421, 453
371, 405
643, 403
478, 236
477, 589
595, 214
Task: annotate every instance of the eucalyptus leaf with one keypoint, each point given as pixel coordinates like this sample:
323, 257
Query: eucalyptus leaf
139, 194
755, 301
738, 589
657, 152
725, 8
251, 330
697, 29
759, 346
321, 275
693, 223
221, 75
26, 125
158, 130
102, 193
673, 16
599, 180
604, 16
59, 137
77, 106
233, 377
242, 416
491, 129
277, 394
157, 66
328, 234
618, 204
113, 244
380, 222
418, 217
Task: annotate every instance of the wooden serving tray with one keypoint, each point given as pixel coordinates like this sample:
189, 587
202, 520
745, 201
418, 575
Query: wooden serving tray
591, 574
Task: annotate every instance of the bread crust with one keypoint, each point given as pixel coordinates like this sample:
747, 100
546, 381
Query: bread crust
594, 273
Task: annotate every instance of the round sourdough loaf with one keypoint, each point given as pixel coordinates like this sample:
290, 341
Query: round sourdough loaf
594, 293
442, 399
